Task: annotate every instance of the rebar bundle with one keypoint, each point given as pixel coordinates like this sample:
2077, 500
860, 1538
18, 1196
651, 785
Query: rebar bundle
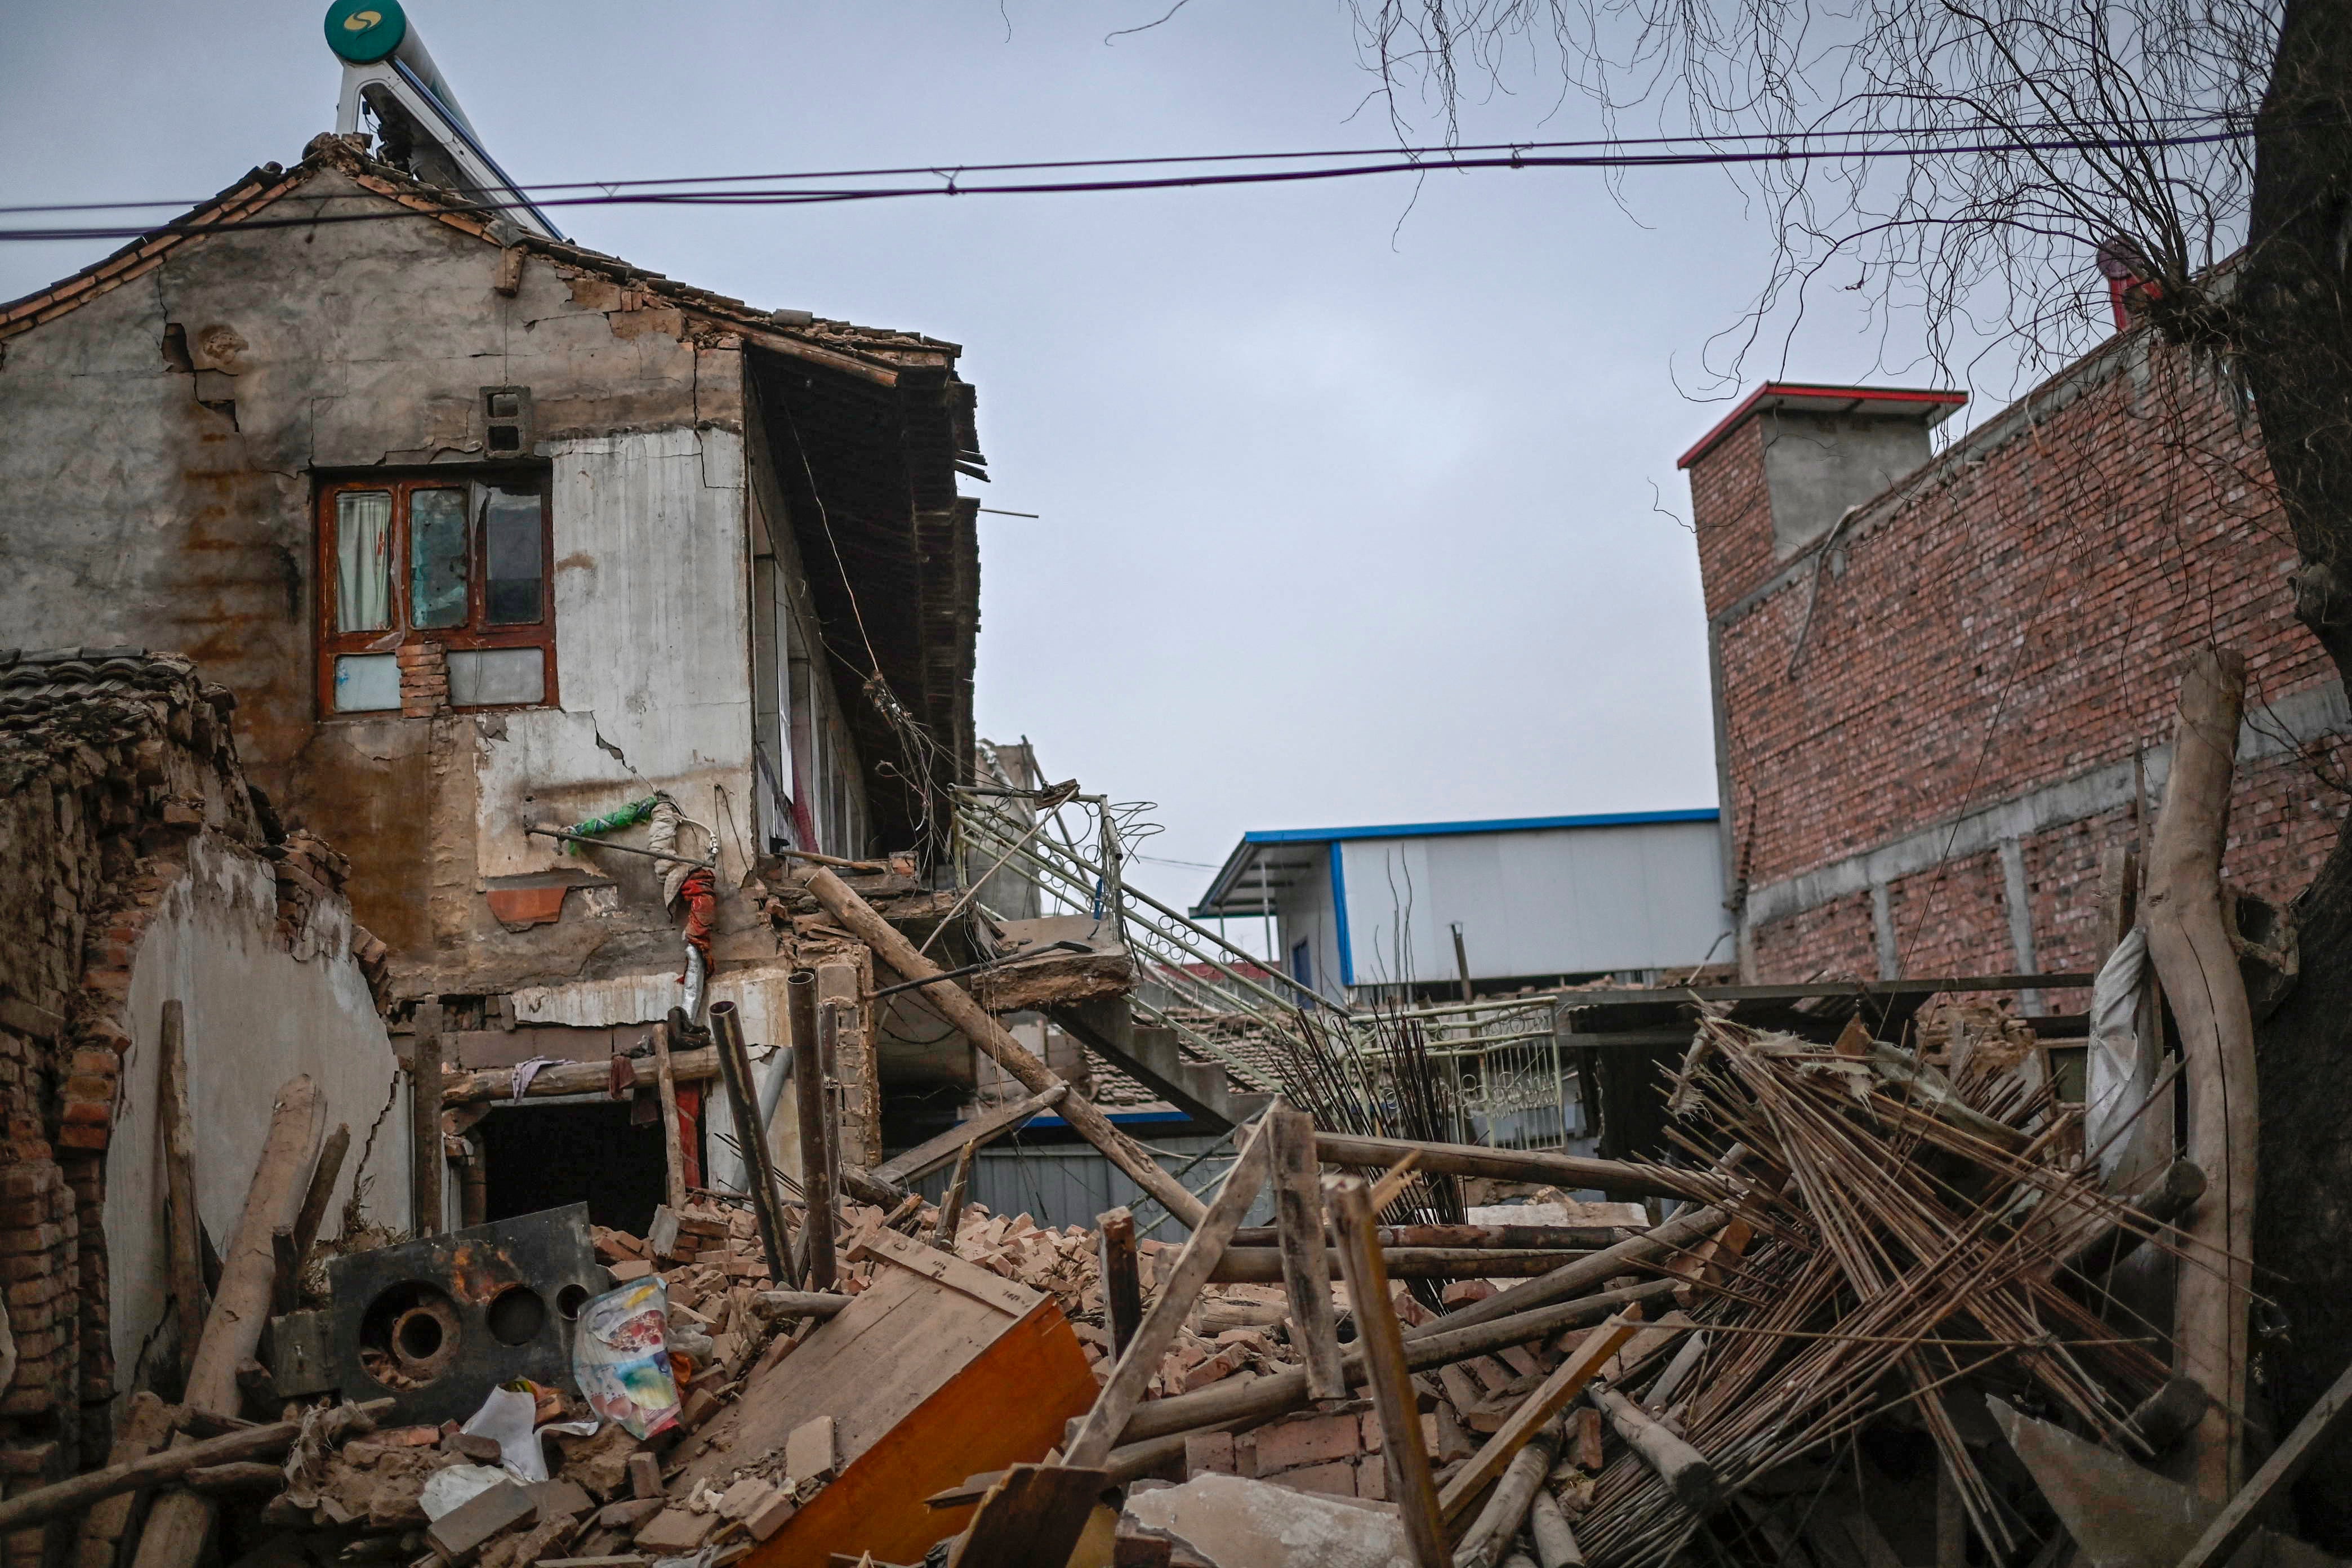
1910, 1233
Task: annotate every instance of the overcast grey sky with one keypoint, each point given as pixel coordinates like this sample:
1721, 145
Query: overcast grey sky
1350, 494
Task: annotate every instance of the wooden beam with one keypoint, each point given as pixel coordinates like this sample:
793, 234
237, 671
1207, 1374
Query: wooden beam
1306, 1268
1381, 1339
424, 1159
954, 1004
184, 1268
1122, 1282
944, 1234
567, 1077
1689, 1475
178, 1524
1265, 1265
1491, 1533
1134, 1369
2286, 1465
668, 1036
920, 1161
812, 1107
2188, 939
1569, 1170
1432, 1344
758, 1161
321, 1191
1551, 1397
84, 1491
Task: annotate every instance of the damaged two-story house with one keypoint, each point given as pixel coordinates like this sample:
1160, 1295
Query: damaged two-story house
488, 532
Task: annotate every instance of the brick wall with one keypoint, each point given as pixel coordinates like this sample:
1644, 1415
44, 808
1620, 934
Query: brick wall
2008, 620
111, 763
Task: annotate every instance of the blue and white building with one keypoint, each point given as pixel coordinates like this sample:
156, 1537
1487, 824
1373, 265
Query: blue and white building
1401, 911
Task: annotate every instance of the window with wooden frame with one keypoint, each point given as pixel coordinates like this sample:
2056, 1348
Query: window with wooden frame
454, 560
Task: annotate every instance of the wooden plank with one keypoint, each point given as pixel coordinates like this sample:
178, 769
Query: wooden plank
1551, 1397
1033, 1514
1122, 1282
1305, 1269
1001, 1401
426, 1161
2287, 1464
1382, 1342
956, 1273
921, 1159
1135, 1367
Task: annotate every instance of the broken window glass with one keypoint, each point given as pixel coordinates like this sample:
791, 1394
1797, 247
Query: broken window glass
437, 558
363, 561
367, 682
511, 559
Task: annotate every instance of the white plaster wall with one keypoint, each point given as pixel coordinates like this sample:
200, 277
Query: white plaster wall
1545, 902
760, 1003
256, 1015
652, 651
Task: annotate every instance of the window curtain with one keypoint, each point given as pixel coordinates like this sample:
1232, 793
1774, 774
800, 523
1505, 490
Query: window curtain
363, 561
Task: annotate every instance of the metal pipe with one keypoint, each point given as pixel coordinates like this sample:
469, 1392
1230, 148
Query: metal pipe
571, 837
696, 974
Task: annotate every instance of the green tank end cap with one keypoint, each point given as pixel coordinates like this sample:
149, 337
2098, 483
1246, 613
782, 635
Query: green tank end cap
365, 31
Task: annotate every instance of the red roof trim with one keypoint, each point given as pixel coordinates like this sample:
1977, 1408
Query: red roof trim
1800, 391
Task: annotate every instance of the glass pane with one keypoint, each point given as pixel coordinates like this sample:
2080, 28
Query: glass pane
437, 558
367, 682
496, 676
364, 561
511, 556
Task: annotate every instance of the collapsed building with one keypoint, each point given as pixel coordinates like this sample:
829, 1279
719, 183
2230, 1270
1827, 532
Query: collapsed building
490, 534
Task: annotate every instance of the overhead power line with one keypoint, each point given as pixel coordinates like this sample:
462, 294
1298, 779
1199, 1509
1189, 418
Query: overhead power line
1211, 169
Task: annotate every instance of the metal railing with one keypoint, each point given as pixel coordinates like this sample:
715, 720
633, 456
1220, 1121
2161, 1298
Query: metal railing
1511, 1086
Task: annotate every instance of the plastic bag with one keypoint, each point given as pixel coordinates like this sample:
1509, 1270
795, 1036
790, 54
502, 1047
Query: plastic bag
620, 1357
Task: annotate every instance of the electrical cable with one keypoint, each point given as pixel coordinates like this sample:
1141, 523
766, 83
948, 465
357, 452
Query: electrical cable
1517, 156
956, 171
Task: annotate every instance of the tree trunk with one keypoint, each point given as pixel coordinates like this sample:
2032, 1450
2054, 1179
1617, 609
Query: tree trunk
2293, 338
2188, 940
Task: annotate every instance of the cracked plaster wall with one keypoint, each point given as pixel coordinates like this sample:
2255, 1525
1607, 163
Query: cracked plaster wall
130, 513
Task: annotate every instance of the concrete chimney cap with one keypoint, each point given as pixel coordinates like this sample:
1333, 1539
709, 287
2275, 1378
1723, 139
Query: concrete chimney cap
1928, 405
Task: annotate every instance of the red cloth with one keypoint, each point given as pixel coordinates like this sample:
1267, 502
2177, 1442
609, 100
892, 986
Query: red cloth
700, 891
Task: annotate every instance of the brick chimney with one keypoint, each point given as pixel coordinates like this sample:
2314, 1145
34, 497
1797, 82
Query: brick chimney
1780, 470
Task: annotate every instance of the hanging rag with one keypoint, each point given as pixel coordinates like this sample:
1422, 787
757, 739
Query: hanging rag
662, 838
701, 891
2119, 1075
527, 1070
629, 815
